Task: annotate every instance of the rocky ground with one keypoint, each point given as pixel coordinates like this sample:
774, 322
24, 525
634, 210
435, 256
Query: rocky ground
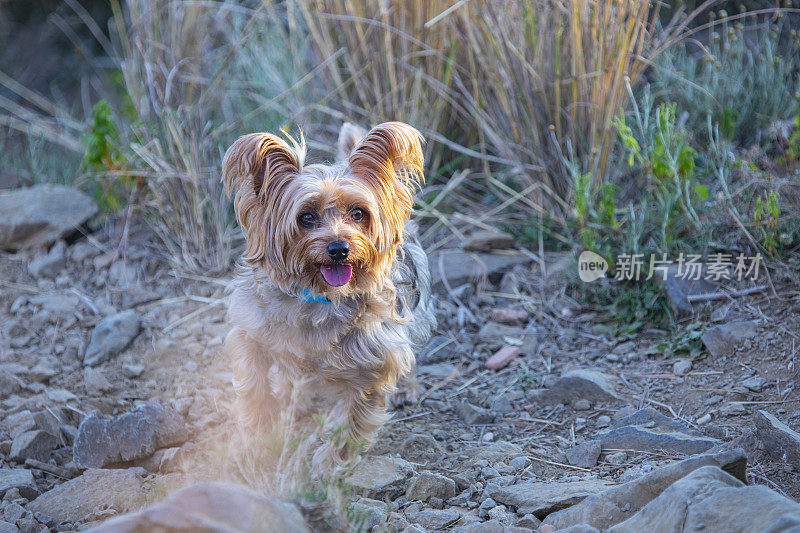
114, 392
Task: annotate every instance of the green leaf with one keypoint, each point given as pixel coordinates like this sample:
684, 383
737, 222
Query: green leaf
701, 191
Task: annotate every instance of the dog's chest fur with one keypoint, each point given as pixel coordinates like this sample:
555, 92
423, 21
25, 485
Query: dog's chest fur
352, 340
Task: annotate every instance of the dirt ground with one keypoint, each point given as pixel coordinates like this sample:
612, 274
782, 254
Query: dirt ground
47, 324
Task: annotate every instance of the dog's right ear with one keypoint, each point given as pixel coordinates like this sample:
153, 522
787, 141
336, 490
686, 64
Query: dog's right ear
258, 161
349, 136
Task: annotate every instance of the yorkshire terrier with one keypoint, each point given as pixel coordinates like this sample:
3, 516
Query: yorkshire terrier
333, 290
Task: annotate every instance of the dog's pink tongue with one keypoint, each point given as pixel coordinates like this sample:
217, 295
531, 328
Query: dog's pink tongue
336, 275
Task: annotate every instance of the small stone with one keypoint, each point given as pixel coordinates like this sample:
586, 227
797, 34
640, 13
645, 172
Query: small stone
16, 334
472, 414
617, 459
682, 367
434, 519
603, 421
588, 384
582, 404
36, 444
584, 455
18, 423
509, 315
755, 383
60, 395
501, 405
519, 463
131, 371
502, 357
49, 264
366, 514
111, 335
703, 420
95, 381
428, 485
380, 476
779, 440
14, 478
46, 368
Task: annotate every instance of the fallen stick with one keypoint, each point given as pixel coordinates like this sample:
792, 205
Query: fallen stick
692, 298
57, 471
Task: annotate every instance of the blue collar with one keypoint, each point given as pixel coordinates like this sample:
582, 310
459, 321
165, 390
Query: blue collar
307, 295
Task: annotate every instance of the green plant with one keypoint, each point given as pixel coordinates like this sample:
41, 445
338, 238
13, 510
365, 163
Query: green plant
104, 159
687, 340
766, 215
745, 77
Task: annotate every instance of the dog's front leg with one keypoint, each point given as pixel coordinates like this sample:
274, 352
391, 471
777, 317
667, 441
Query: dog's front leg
256, 406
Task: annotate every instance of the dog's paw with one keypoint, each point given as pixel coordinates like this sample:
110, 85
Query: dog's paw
407, 393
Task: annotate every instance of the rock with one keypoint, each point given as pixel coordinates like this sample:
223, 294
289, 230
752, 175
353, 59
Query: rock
487, 241
721, 340
14, 478
42, 214
419, 448
428, 485
509, 315
518, 464
45, 368
501, 405
472, 414
603, 509
617, 459
460, 267
437, 371
755, 383
603, 421
133, 435
58, 303
649, 430
380, 476
541, 498
591, 385
682, 367
36, 444
502, 357
111, 335
779, 440
581, 404
49, 264
709, 498
678, 288
496, 335
365, 514
433, 519
95, 381
132, 371
7, 527
584, 455
60, 395
496, 451
9, 384
17, 335
18, 423
120, 490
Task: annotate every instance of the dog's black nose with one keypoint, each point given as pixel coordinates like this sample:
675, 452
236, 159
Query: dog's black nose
338, 250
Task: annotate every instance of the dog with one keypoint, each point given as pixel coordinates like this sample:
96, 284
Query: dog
333, 290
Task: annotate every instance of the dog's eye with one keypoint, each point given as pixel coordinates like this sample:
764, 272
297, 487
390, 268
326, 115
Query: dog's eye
307, 220
357, 214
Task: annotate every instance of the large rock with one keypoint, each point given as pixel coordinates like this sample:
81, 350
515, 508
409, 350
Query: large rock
460, 267
42, 214
433, 519
110, 336
649, 430
616, 504
721, 340
587, 384
709, 499
222, 507
380, 476
430, 485
78, 498
678, 287
541, 498
133, 435
779, 440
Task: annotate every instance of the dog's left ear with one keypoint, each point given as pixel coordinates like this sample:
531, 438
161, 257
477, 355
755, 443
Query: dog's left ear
389, 152
349, 136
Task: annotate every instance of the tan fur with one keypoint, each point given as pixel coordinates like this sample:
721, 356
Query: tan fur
355, 348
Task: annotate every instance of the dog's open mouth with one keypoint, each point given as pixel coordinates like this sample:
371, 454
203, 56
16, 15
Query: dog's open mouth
337, 274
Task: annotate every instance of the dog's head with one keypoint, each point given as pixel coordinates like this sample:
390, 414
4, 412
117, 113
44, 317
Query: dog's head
332, 228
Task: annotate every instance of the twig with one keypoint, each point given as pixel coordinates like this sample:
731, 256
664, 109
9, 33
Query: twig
57, 471
721, 295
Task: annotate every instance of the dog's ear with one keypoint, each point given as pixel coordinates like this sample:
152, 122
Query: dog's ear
388, 152
349, 137
258, 160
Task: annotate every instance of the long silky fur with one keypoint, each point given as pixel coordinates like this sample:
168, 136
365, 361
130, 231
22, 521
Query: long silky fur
353, 350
